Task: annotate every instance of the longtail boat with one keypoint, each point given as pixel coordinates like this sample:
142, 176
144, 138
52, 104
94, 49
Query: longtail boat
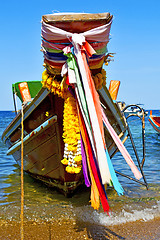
154, 121
72, 125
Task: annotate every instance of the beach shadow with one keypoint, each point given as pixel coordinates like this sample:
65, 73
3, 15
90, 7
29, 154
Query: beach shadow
97, 232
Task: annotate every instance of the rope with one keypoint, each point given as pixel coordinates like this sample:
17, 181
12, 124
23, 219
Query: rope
22, 180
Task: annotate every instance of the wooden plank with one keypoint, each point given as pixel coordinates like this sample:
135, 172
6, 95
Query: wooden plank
53, 18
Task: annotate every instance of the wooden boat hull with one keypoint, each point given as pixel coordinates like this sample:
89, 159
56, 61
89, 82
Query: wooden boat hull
155, 122
43, 142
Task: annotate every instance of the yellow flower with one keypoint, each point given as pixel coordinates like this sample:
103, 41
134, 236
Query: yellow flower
77, 170
44, 73
70, 169
64, 161
78, 158
45, 77
47, 114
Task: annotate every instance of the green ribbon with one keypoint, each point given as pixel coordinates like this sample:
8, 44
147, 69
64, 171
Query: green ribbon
72, 64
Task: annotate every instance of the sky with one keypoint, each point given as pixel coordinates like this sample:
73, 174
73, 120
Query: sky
135, 40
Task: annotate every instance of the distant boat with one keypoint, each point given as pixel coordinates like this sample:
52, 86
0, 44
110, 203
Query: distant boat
154, 121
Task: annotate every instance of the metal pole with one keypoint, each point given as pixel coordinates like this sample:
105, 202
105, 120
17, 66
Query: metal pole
135, 151
143, 136
143, 139
133, 179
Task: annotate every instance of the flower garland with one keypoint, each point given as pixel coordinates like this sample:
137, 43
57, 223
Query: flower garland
53, 85
71, 132
71, 136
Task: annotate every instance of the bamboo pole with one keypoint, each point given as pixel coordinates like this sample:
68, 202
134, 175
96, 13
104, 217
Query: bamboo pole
22, 179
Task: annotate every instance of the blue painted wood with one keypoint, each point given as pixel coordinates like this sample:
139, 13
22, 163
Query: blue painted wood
33, 133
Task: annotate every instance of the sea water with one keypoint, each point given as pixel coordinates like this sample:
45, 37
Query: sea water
42, 203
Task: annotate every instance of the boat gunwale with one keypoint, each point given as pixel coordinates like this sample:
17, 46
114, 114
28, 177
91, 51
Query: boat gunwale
28, 109
116, 112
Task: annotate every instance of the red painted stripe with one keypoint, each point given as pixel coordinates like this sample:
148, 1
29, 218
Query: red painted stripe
153, 124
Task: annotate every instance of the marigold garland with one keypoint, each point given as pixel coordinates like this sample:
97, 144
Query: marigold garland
71, 136
53, 85
71, 132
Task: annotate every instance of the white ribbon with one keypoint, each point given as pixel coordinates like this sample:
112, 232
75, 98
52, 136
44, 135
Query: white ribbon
100, 34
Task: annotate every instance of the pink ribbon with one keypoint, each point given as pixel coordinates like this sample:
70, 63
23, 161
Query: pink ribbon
121, 147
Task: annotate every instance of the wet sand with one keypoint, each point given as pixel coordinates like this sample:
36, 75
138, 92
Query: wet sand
80, 230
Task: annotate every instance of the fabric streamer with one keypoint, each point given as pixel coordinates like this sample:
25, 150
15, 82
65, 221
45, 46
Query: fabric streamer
99, 145
121, 147
114, 178
93, 167
115, 181
75, 54
84, 165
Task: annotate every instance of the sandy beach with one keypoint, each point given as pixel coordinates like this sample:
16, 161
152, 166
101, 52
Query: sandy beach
79, 230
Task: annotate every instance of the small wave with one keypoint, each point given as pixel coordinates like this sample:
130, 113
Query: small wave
124, 216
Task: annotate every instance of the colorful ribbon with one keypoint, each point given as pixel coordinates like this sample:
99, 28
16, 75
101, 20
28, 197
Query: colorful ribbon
79, 50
